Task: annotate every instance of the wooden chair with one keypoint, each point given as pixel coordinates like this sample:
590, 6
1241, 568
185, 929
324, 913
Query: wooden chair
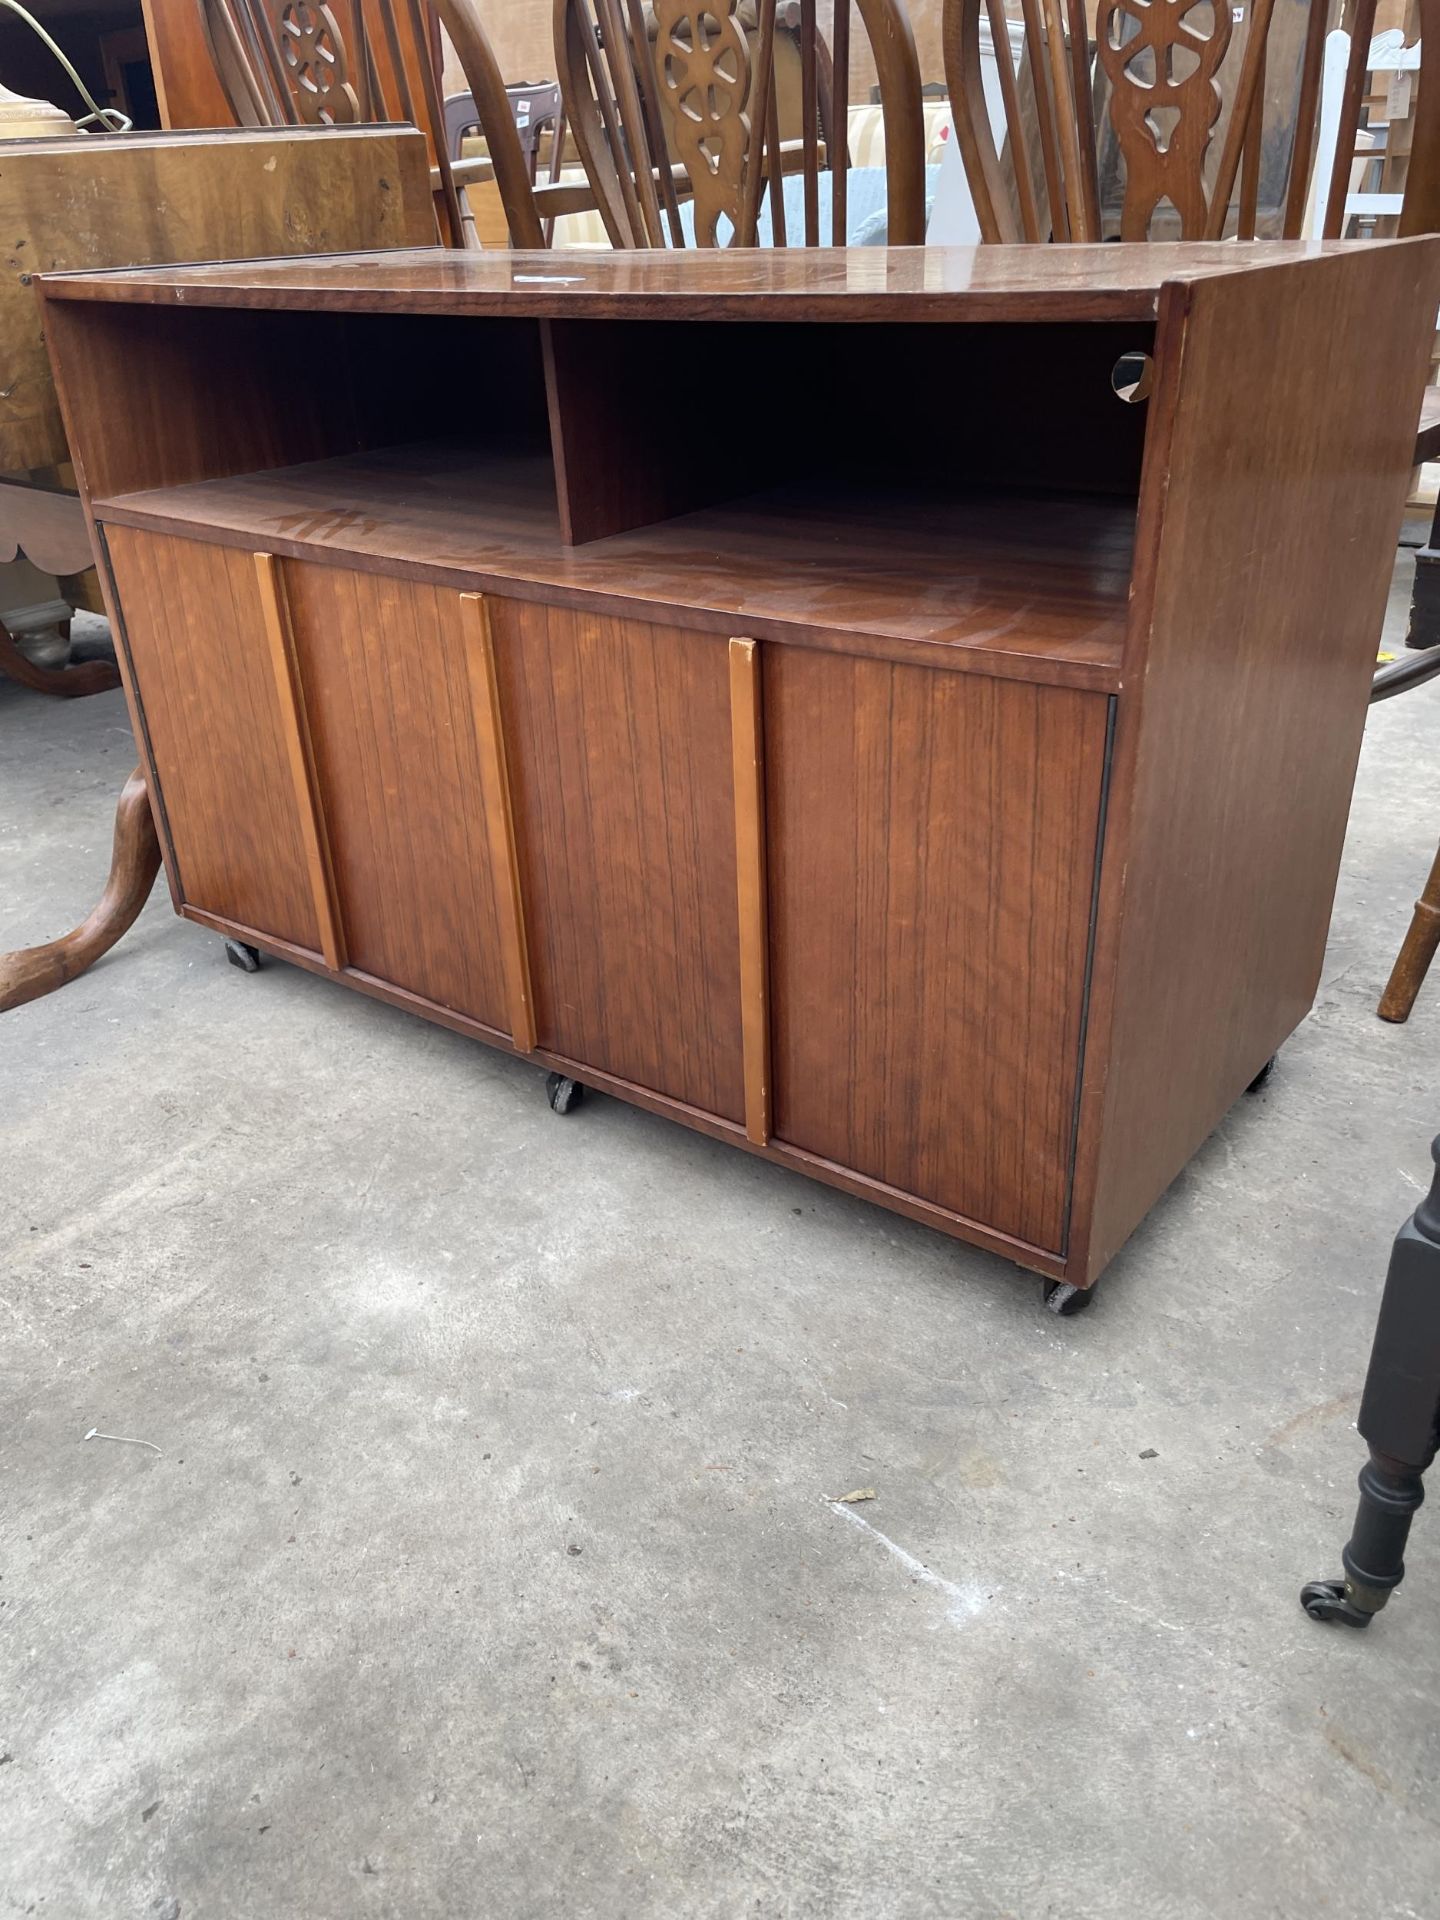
696, 113
1182, 95
1156, 89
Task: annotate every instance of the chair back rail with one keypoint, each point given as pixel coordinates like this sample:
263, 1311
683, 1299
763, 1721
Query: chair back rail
691, 109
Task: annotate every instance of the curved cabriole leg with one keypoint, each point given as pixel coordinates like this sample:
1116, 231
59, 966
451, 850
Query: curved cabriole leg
30, 972
1398, 1421
91, 676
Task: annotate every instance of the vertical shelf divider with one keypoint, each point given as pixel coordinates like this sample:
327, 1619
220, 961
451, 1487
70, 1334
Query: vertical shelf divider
747, 745
499, 814
280, 639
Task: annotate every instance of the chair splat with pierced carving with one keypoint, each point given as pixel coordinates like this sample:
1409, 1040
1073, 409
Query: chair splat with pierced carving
682, 101
704, 75
1163, 58
1164, 69
312, 54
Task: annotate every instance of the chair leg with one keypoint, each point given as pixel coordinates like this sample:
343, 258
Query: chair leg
1412, 962
1397, 1420
30, 972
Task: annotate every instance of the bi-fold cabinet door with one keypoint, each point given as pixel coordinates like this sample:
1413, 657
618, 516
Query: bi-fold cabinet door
619, 751
325, 745
215, 727
528, 816
933, 841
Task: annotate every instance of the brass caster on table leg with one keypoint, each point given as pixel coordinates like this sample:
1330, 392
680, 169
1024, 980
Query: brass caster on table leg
562, 1092
1330, 1600
1391, 1494
1264, 1074
240, 955
1059, 1296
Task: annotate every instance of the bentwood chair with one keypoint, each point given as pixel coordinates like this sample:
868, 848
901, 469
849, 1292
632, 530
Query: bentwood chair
684, 112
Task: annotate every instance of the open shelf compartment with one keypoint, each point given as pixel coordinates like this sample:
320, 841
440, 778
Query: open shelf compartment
767, 474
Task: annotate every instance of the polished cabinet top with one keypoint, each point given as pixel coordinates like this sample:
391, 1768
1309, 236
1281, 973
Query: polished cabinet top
1022, 283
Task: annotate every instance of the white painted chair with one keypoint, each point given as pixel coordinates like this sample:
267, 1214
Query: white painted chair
1390, 56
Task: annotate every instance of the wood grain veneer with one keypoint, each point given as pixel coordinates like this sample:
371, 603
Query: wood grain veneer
214, 722
932, 852
78, 201
1038, 584
401, 773
630, 899
1018, 285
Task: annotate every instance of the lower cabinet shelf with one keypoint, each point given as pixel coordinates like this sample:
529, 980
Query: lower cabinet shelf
838, 908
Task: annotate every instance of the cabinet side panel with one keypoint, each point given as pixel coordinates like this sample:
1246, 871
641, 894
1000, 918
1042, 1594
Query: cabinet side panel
393, 727
619, 742
1285, 408
203, 676
932, 855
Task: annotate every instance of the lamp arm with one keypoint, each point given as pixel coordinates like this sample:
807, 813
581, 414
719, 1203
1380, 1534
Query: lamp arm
110, 118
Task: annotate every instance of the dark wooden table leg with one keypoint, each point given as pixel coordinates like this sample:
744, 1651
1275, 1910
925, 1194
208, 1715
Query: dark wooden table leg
1425, 594
30, 972
1412, 963
91, 676
1397, 1420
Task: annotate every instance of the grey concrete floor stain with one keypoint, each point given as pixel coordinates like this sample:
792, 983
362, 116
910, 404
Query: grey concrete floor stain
408, 1341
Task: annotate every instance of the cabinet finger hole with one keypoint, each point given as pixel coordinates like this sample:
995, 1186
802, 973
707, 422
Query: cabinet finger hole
1132, 377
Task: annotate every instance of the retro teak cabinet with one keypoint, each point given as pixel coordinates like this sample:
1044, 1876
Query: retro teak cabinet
792, 691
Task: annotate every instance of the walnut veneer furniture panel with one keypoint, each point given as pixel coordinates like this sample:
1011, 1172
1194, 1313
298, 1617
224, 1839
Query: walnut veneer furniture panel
942, 795
136, 198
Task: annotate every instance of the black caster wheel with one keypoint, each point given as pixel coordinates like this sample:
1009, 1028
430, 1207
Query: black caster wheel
562, 1092
1058, 1296
1263, 1075
1328, 1600
239, 955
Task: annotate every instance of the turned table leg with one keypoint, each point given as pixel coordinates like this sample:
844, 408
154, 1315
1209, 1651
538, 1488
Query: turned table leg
30, 972
91, 676
1412, 962
1397, 1420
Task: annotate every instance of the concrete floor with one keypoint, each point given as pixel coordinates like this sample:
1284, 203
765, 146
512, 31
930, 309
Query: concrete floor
488, 1567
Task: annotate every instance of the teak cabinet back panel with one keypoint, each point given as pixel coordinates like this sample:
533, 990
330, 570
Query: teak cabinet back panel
194, 631
619, 738
391, 710
932, 861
